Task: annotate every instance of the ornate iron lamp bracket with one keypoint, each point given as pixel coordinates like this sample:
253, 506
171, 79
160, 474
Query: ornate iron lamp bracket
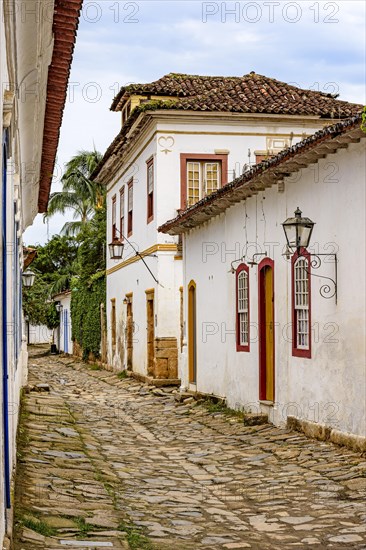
326, 290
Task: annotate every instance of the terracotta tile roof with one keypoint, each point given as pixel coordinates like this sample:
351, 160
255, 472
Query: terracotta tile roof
268, 173
29, 255
251, 93
65, 24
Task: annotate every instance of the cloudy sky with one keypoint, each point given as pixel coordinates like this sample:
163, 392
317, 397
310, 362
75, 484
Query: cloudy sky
317, 44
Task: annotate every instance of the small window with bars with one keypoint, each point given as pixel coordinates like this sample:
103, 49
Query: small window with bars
301, 306
242, 308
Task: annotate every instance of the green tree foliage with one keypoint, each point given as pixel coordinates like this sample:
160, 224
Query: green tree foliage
83, 196
54, 266
363, 123
75, 260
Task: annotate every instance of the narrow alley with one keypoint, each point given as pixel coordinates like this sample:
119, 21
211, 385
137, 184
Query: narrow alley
109, 462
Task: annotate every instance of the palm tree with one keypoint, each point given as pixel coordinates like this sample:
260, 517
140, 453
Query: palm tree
79, 193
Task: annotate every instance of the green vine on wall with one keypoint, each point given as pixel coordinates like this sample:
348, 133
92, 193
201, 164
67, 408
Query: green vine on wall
85, 314
363, 123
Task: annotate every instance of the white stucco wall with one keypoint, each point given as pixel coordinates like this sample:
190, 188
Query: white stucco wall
39, 334
165, 140
25, 49
330, 386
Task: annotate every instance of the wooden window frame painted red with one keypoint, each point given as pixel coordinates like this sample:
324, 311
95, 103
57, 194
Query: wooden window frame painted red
150, 200
114, 217
240, 347
129, 213
122, 212
202, 157
297, 352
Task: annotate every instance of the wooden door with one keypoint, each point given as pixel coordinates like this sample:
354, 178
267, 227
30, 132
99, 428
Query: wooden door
150, 330
192, 333
129, 329
266, 331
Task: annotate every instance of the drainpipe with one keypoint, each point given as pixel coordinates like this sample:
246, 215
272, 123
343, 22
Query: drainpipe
4, 302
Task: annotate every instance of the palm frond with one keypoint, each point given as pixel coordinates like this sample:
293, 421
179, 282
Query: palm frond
71, 229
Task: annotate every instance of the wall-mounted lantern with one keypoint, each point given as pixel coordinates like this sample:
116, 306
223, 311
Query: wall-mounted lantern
28, 278
116, 249
116, 252
59, 307
298, 231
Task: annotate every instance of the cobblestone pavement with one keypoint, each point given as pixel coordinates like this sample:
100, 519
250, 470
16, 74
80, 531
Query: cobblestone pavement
105, 462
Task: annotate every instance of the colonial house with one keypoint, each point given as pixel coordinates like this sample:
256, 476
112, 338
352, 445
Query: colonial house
183, 138
278, 328
36, 46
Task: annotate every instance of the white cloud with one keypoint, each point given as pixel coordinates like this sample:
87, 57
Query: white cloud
171, 37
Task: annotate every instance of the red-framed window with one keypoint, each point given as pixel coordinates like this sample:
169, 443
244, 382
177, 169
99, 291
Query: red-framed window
201, 175
114, 217
150, 189
130, 208
122, 212
301, 304
242, 308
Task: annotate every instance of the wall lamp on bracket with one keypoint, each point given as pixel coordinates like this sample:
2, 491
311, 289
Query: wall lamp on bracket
298, 231
116, 248
251, 262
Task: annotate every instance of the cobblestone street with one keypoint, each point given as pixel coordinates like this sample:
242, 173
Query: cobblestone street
105, 462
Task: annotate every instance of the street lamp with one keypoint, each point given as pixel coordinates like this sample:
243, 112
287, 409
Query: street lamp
298, 231
28, 278
116, 249
116, 252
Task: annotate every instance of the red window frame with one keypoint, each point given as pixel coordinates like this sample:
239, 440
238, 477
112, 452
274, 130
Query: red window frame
122, 212
200, 157
300, 352
239, 346
150, 192
130, 211
114, 217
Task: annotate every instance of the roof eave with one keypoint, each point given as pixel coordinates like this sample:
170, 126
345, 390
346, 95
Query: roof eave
271, 173
58, 78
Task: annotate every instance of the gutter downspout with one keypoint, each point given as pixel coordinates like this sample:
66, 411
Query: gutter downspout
5, 330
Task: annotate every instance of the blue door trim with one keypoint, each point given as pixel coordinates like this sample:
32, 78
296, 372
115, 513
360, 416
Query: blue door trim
5, 326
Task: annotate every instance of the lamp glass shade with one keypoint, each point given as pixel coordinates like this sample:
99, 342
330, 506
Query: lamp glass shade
28, 278
116, 250
298, 231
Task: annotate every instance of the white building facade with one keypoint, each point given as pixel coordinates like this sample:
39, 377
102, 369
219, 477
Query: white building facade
274, 333
170, 153
34, 67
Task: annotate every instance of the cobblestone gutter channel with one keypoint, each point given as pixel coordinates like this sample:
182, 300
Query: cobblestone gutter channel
109, 463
